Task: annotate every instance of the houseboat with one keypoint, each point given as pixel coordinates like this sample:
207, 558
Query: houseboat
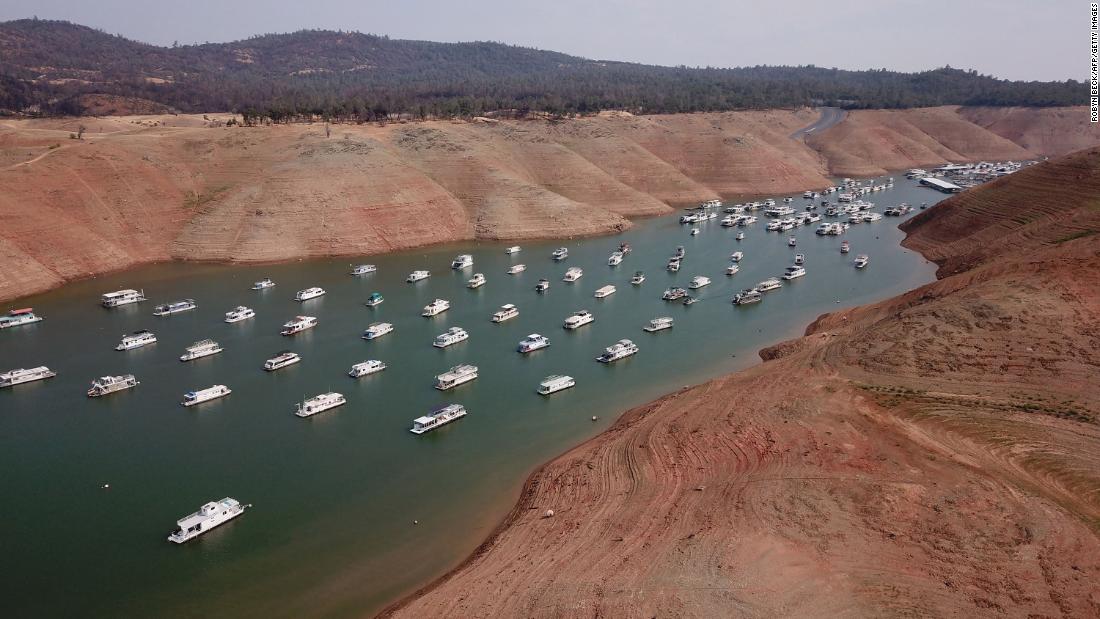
658, 324
20, 376
309, 293
532, 343
319, 404
370, 366
619, 350
554, 384
451, 336
281, 360
18, 317
376, 330
455, 376
209, 516
122, 297
298, 324
174, 307
106, 385
578, 319
604, 291
200, 349
438, 417
462, 261
506, 312
416, 276
436, 307
137, 339
192, 398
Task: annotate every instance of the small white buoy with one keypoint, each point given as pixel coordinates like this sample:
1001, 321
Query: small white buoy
549, 513
416, 522
105, 486
594, 418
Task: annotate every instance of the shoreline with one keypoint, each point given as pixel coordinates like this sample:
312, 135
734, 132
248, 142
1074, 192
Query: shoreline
624, 421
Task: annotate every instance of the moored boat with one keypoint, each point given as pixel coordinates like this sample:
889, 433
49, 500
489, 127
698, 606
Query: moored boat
604, 291
477, 281
861, 261
137, 339
554, 384
578, 319
371, 366
455, 376
416, 276
239, 313
263, 283
376, 330
560, 254
451, 336
281, 360
18, 317
506, 312
298, 324
174, 307
462, 261
363, 269
209, 516
638, 278
542, 286
658, 324
21, 375
438, 417
517, 268
105, 385
619, 350
319, 404
375, 299
201, 348
309, 293
532, 343
192, 398
698, 282
515, 249
122, 297
672, 294
436, 307
572, 274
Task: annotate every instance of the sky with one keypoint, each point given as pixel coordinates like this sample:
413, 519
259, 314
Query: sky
1014, 39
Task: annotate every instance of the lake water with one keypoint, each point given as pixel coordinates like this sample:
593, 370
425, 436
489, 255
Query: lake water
331, 532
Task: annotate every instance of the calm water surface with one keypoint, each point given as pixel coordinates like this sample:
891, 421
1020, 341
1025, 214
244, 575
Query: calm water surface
331, 532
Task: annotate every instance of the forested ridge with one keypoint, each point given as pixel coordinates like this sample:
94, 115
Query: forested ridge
51, 67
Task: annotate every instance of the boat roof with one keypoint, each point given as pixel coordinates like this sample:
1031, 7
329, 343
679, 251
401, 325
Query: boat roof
25, 310
507, 306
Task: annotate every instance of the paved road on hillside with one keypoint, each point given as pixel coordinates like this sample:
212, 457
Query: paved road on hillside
829, 117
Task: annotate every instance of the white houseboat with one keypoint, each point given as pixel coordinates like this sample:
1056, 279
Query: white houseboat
18, 317
604, 291
477, 281
619, 350
281, 360
370, 366
554, 384
209, 516
298, 324
658, 324
363, 269
105, 385
192, 398
506, 312
319, 404
451, 336
239, 313
201, 348
438, 417
263, 284
416, 276
19, 376
532, 343
376, 330
455, 376
122, 297
309, 293
578, 319
175, 307
462, 261
436, 307
573, 274
137, 339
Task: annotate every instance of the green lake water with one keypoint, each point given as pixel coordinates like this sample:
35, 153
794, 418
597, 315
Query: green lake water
331, 532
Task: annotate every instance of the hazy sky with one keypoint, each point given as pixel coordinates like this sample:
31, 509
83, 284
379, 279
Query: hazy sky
1018, 39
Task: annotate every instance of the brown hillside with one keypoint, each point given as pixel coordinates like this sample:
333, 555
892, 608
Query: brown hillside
186, 187
938, 454
1045, 131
